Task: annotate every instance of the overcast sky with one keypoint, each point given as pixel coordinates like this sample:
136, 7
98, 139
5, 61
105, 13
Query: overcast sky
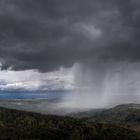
97, 40
44, 35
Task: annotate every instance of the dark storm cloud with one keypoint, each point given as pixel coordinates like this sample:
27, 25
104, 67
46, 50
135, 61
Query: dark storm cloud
47, 34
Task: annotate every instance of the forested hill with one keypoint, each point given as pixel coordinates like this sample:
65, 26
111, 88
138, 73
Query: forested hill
21, 125
126, 113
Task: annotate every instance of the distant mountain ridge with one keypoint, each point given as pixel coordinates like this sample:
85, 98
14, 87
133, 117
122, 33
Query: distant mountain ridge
117, 113
128, 106
127, 115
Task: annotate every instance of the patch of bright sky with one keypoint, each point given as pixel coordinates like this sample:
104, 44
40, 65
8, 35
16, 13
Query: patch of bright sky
33, 80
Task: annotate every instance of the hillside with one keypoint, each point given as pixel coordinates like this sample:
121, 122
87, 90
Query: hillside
129, 113
126, 115
85, 114
21, 125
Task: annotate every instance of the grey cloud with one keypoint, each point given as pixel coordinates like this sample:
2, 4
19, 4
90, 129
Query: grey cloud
45, 35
